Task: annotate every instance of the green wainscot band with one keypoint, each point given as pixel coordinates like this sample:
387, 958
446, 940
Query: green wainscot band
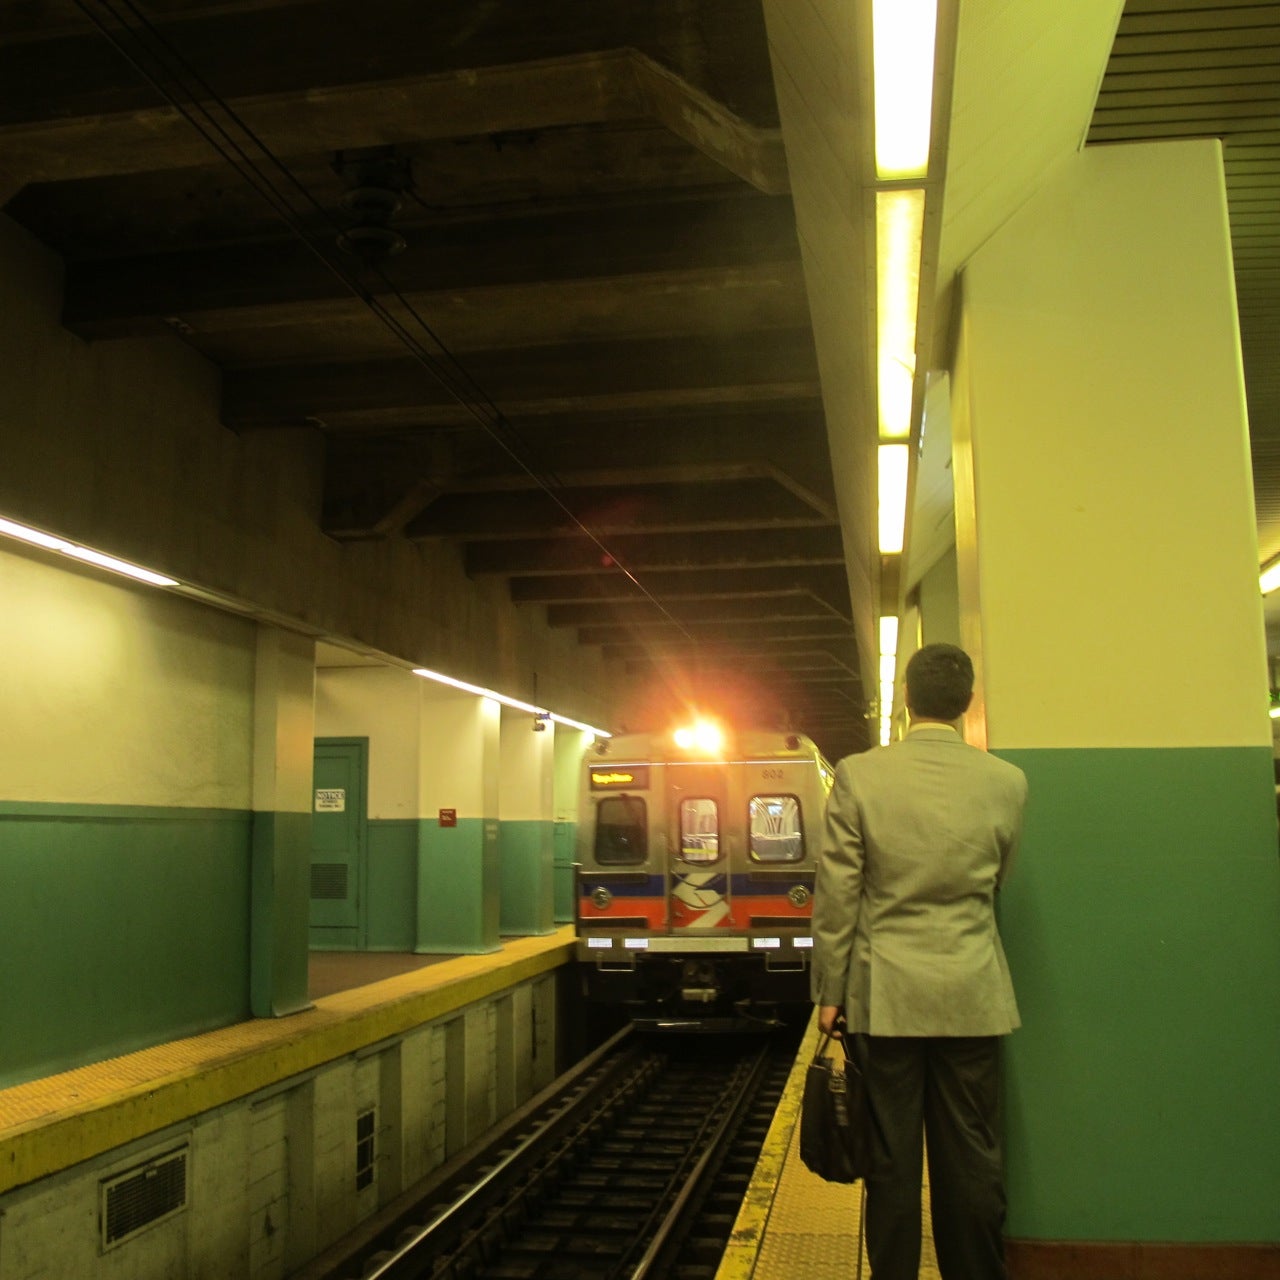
458, 888
1140, 924
528, 878
121, 927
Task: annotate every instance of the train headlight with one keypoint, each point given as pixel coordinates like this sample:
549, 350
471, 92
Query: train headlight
601, 897
702, 736
798, 895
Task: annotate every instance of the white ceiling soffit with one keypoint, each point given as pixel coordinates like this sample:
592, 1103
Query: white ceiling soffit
1026, 78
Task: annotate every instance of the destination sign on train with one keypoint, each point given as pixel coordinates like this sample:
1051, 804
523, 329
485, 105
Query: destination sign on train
606, 779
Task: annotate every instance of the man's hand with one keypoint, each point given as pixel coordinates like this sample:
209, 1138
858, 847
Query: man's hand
827, 1015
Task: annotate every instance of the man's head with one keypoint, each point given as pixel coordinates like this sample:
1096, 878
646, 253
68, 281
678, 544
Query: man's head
939, 682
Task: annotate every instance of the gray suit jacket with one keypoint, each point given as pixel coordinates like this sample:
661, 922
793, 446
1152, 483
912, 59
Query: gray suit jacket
919, 835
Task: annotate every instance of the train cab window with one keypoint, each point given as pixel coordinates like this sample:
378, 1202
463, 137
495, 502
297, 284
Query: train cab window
699, 830
776, 833
622, 831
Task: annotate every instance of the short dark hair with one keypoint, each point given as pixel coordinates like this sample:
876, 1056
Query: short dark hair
939, 682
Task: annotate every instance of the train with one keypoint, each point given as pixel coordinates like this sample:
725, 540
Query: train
695, 862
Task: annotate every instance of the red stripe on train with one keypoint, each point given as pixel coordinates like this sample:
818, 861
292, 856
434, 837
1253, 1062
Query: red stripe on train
653, 911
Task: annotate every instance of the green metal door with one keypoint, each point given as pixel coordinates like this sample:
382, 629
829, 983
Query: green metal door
337, 841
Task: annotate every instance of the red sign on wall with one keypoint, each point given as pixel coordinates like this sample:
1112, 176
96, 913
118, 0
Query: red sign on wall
448, 817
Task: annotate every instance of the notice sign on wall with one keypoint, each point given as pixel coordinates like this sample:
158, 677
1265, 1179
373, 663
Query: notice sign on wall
331, 800
448, 817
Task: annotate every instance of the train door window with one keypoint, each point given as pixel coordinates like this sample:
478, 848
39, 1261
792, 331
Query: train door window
699, 829
776, 833
622, 831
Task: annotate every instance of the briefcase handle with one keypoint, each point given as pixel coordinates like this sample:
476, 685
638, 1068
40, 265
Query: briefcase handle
827, 1036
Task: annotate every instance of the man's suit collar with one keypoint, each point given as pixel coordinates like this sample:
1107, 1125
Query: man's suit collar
934, 733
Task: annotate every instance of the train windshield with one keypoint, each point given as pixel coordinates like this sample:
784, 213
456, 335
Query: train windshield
622, 830
776, 833
699, 830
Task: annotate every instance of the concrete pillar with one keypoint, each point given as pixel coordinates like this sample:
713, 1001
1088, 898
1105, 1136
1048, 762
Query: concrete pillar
525, 812
571, 746
458, 874
1108, 590
283, 734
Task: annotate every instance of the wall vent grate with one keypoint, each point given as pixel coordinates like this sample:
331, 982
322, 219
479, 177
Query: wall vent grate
142, 1197
366, 1154
329, 880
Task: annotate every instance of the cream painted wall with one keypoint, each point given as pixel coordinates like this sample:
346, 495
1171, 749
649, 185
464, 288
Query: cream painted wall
120, 695
526, 768
381, 704
459, 737
1100, 380
284, 721
571, 746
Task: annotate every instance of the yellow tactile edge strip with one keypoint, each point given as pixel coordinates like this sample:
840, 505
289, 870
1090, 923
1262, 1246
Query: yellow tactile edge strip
51, 1124
747, 1237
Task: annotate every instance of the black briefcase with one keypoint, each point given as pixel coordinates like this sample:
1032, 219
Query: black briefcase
835, 1119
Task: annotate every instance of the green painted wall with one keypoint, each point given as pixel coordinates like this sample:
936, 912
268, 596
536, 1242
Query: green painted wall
564, 837
1142, 925
281, 862
393, 884
120, 927
458, 903
527, 888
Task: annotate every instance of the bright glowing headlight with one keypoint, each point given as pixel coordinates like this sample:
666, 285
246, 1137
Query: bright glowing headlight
702, 736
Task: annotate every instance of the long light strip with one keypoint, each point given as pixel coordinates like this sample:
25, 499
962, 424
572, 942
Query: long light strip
899, 236
480, 692
21, 532
889, 634
1269, 579
888, 674
893, 468
903, 38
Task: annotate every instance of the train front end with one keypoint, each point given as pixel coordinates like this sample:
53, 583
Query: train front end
696, 859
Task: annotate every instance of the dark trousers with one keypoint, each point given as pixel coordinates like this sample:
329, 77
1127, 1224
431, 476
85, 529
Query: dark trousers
947, 1088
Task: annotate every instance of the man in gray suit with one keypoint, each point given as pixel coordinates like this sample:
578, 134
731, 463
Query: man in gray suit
919, 837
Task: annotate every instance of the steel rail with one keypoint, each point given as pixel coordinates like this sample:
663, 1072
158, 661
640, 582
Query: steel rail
667, 1229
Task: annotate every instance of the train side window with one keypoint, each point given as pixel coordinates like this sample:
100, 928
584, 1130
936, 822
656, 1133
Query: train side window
776, 833
699, 829
622, 831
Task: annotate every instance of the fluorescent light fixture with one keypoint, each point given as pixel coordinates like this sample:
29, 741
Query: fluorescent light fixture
903, 34
766, 944
600, 944
440, 678
577, 724
1275, 713
899, 235
11, 529
886, 730
889, 635
802, 942
886, 697
1269, 579
888, 668
636, 944
893, 497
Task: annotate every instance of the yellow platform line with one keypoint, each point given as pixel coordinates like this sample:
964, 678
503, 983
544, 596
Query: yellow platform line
791, 1222
739, 1260
50, 1124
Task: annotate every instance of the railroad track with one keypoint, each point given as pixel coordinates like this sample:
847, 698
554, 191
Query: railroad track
630, 1167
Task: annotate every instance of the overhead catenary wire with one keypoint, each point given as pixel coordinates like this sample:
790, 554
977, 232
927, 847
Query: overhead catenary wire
158, 62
